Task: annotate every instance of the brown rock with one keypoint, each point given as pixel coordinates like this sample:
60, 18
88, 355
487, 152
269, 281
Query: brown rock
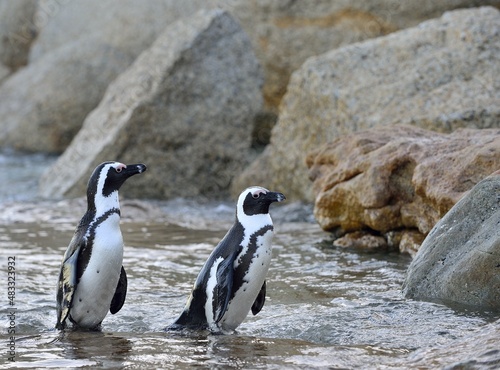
406, 240
361, 240
398, 177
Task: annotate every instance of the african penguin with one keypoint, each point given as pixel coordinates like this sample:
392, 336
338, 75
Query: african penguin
92, 279
232, 281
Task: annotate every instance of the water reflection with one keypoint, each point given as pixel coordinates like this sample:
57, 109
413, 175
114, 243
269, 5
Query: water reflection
245, 352
105, 349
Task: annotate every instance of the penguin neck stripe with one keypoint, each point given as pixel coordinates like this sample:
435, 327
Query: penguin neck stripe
253, 223
103, 217
244, 259
253, 226
99, 219
86, 251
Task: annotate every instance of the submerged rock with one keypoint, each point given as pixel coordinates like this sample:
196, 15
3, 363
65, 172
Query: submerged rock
399, 177
361, 240
441, 75
184, 108
459, 261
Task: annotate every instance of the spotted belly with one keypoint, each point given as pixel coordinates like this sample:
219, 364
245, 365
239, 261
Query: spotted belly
97, 284
250, 273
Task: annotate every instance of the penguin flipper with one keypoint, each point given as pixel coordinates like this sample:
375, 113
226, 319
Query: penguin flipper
259, 301
67, 284
120, 293
224, 286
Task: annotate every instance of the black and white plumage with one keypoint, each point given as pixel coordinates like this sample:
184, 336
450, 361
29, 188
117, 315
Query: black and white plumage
92, 279
232, 281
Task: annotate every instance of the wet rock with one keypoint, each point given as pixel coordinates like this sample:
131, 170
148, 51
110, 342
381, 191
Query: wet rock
398, 177
17, 32
176, 109
442, 75
459, 260
407, 241
361, 240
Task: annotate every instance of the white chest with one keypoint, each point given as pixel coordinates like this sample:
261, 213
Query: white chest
255, 276
98, 283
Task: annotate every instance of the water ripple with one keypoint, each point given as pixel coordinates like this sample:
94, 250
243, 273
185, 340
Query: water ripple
325, 307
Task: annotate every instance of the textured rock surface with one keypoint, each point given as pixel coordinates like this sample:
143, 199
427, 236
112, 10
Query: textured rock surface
44, 104
74, 58
398, 177
17, 31
285, 33
442, 75
176, 109
127, 25
459, 260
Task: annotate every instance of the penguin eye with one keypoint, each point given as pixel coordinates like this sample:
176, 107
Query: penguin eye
119, 169
256, 195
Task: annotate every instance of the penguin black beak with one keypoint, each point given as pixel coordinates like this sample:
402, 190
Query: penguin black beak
134, 169
275, 196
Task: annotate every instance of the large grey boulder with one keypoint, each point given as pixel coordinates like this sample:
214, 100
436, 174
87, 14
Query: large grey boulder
459, 261
128, 25
185, 108
82, 46
44, 104
441, 75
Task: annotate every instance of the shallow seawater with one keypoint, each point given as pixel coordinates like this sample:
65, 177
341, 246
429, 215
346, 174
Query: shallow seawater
325, 308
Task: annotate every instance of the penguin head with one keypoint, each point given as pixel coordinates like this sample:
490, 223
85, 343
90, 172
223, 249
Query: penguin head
256, 200
107, 179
